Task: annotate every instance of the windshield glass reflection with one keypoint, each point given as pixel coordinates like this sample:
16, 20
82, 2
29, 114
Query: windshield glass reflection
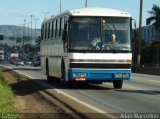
100, 34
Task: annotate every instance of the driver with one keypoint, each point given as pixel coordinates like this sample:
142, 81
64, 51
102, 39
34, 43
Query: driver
112, 45
113, 38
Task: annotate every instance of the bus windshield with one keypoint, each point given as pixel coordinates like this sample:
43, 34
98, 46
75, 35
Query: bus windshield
99, 34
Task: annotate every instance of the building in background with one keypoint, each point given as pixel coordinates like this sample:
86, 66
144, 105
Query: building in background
149, 33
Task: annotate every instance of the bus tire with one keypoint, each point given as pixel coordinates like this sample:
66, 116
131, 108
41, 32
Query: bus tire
118, 84
49, 79
67, 84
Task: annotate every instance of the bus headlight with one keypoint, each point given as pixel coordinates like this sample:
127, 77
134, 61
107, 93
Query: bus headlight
79, 75
126, 75
118, 75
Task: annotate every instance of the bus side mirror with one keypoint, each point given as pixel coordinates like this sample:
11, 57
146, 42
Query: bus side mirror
64, 35
1, 37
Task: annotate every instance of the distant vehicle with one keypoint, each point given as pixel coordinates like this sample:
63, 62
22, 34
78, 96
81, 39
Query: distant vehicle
1, 54
12, 61
19, 62
28, 62
75, 46
36, 63
14, 56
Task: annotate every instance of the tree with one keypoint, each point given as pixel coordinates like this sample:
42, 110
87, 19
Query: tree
155, 18
140, 34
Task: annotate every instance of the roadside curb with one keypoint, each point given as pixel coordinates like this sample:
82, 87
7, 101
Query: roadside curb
146, 70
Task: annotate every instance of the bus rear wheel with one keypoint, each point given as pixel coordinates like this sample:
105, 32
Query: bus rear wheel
49, 78
118, 84
67, 84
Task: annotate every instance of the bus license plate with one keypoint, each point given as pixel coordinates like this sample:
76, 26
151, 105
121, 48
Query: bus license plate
80, 79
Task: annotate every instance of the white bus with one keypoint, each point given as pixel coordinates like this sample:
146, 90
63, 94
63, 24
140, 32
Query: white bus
1, 54
90, 45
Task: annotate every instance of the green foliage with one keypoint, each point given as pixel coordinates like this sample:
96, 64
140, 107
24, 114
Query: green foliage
149, 52
155, 18
146, 53
6, 96
2, 79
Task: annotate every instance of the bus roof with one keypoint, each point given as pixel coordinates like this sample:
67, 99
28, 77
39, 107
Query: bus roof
96, 11
93, 11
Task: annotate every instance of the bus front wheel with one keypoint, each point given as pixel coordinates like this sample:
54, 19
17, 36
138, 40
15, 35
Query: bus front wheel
118, 84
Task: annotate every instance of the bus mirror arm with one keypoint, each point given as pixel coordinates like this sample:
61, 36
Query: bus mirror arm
64, 35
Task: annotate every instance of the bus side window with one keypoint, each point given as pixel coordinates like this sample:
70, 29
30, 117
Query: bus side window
48, 30
42, 32
45, 31
56, 30
52, 31
60, 24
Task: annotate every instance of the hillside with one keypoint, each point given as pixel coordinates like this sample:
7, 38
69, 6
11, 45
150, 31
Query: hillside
11, 30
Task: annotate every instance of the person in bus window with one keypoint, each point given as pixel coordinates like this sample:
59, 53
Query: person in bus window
112, 44
96, 43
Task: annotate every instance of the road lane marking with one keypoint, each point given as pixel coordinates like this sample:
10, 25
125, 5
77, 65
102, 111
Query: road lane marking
69, 96
132, 87
154, 81
141, 89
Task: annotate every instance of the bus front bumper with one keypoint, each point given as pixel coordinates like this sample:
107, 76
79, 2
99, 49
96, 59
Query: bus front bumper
98, 75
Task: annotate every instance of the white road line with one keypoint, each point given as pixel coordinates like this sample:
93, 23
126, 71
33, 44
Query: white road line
73, 98
154, 81
69, 96
132, 87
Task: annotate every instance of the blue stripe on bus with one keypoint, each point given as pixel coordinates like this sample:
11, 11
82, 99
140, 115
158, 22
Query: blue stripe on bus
99, 75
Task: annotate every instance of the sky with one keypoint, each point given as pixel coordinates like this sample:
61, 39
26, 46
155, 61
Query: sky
14, 12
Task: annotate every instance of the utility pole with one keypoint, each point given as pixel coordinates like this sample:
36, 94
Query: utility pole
31, 28
28, 35
24, 32
134, 39
86, 3
60, 6
157, 64
35, 33
45, 14
139, 35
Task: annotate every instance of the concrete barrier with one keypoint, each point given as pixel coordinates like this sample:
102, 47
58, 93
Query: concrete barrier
146, 70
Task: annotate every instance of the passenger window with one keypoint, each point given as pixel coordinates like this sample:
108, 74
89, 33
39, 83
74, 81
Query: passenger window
56, 30
45, 31
52, 31
49, 30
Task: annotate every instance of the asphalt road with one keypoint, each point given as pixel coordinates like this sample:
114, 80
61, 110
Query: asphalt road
140, 95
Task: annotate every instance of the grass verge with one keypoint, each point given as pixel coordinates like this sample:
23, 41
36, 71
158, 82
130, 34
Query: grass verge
6, 96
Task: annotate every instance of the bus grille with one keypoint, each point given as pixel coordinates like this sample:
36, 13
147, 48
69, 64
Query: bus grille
100, 66
101, 75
